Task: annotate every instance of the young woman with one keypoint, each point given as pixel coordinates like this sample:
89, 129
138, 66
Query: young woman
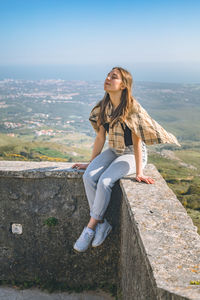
130, 128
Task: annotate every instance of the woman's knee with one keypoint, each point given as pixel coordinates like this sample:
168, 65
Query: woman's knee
105, 182
87, 177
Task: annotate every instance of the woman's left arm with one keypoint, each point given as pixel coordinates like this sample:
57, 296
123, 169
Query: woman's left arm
138, 160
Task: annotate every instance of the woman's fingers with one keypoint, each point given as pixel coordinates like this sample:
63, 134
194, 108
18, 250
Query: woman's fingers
148, 180
76, 166
152, 180
80, 166
138, 179
145, 180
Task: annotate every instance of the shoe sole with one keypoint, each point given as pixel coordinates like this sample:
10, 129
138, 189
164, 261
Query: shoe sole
105, 235
79, 251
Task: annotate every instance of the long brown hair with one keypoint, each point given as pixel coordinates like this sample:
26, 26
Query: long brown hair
126, 101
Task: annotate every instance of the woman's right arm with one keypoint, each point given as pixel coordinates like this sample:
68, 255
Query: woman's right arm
99, 142
97, 147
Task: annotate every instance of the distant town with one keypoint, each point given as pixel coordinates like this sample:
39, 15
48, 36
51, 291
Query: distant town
54, 107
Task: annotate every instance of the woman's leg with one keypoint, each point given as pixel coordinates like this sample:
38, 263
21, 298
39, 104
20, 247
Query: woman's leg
121, 166
106, 173
94, 171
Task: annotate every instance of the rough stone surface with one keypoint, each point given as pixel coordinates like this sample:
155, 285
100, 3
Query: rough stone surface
35, 294
29, 169
30, 196
160, 250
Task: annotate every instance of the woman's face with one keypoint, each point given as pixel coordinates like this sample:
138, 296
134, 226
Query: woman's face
113, 81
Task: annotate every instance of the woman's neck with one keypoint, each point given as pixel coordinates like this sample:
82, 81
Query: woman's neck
115, 98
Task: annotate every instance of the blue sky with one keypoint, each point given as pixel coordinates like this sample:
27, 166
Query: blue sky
58, 32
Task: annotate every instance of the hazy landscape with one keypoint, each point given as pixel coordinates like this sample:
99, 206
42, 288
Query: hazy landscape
48, 120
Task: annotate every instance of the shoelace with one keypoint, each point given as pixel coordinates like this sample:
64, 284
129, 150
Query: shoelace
88, 235
99, 227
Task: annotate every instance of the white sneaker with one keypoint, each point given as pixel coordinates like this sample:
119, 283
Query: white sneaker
84, 240
101, 232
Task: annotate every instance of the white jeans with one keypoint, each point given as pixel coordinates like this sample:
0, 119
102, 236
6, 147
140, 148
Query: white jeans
101, 174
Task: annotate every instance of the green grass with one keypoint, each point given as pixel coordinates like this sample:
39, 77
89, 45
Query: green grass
7, 140
190, 156
20, 149
49, 152
184, 182
195, 216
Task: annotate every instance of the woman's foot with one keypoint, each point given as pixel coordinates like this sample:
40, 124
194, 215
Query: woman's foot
101, 232
84, 240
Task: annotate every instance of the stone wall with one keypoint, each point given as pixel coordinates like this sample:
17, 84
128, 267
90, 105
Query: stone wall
153, 251
160, 247
31, 193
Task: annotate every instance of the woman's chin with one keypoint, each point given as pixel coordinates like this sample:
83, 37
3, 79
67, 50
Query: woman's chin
106, 89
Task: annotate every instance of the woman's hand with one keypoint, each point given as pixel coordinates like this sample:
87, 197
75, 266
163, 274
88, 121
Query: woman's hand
144, 178
80, 166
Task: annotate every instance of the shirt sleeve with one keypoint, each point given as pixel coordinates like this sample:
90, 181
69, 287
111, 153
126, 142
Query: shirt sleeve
93, 118
150, 131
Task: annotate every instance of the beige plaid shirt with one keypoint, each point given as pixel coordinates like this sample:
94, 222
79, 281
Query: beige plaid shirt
139, 122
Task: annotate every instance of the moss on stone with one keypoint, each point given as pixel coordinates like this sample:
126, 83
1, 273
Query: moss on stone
51, 221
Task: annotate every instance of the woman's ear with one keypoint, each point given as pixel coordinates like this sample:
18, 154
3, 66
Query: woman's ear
123, 86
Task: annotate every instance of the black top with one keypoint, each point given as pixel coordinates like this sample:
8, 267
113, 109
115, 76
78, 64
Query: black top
127, 134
